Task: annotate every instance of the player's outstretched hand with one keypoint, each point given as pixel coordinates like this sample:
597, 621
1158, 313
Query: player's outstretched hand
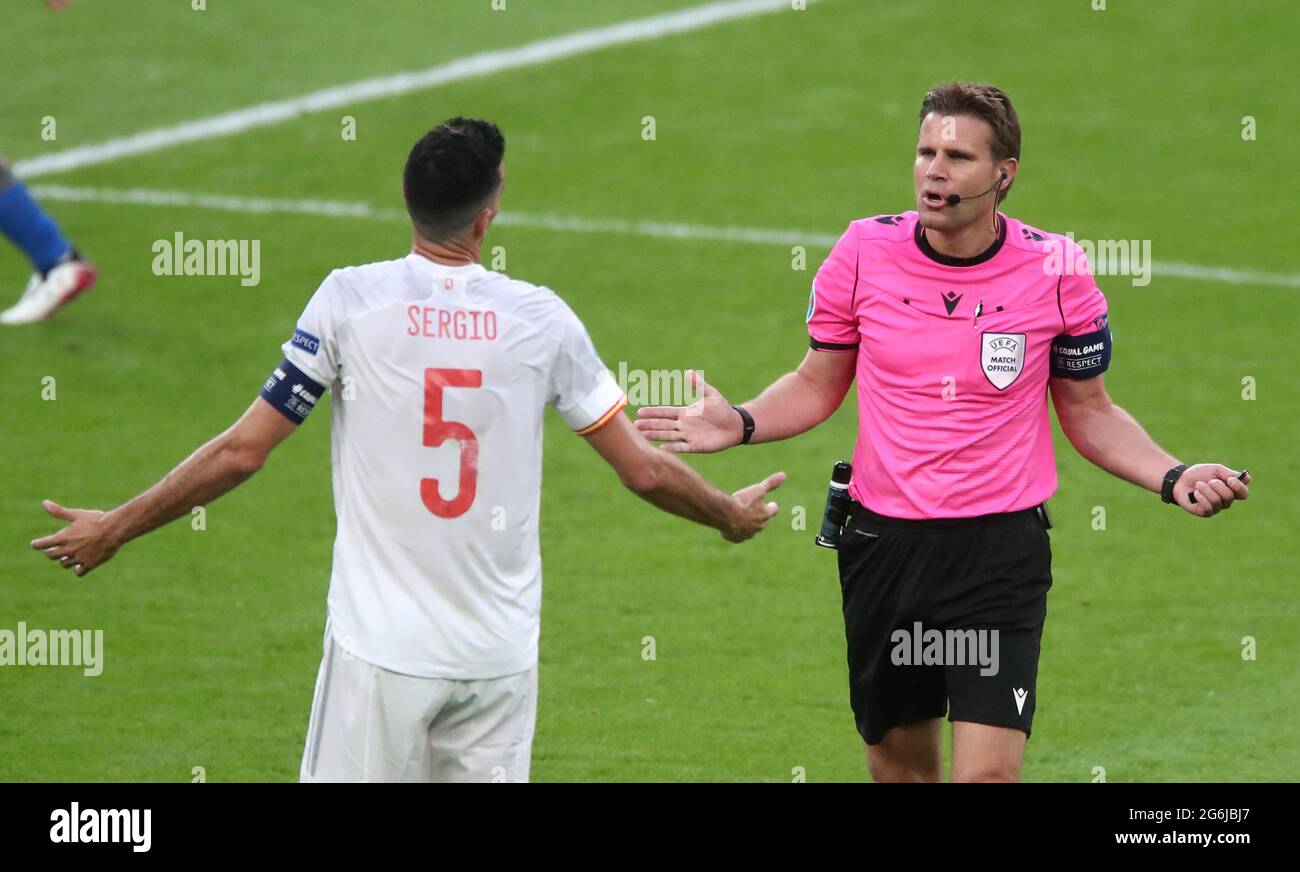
83, 544
755, 511
706, 425
1216, 487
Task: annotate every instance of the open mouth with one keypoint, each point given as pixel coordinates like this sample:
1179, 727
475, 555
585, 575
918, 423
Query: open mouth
932, 198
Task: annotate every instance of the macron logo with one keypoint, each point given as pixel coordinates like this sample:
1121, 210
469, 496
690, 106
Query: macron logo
1020, 694
81, 825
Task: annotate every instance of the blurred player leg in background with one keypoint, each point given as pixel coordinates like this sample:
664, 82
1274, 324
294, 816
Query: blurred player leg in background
61, 273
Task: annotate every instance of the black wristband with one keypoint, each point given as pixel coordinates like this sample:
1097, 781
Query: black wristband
1167, 488
747, 421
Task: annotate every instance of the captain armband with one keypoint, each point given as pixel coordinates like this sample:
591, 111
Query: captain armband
292, 392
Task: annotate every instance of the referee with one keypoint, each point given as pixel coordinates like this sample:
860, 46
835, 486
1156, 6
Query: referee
956, 320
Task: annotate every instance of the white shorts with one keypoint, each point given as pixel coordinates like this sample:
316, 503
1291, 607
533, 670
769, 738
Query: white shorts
369, 724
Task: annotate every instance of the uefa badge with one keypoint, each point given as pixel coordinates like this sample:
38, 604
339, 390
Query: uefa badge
812, 304
1002, 357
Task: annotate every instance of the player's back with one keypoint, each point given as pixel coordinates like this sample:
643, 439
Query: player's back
441, 376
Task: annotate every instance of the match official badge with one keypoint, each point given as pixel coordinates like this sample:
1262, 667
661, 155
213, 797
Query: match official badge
1002, 357
812, 304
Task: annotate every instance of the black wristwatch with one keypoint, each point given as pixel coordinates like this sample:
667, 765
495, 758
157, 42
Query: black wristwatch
747, 422
1172, 476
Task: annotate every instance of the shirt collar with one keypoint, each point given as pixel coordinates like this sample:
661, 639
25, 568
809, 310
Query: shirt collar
947, 260
422, 264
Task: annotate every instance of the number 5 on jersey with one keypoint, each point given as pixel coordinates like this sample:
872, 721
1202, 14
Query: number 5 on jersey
438, 431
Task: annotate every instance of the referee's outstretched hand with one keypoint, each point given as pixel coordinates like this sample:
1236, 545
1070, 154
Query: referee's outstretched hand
706, 425
1216, 487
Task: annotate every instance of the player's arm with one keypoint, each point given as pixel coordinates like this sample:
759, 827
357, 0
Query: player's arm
93, 537
668, 483
1106, 435
794, 403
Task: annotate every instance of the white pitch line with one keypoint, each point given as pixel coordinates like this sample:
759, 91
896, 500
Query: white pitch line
485, 63
181, 199
339, 209
1228, 274
666, 230
564, 224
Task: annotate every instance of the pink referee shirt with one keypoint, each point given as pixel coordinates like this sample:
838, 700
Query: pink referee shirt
953, 361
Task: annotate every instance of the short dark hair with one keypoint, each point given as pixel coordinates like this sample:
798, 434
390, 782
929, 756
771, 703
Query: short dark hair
451, 174
986, 102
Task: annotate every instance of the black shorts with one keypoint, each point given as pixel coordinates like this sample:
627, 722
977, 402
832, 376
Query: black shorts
944, 616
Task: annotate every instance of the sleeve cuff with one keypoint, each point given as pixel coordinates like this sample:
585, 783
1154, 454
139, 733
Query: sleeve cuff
603, 419
595, 409
818, 345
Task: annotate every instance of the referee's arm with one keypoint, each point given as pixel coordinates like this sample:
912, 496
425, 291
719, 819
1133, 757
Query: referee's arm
1112, 439
794, 403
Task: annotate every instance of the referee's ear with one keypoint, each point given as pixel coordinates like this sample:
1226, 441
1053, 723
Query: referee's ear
1009, 168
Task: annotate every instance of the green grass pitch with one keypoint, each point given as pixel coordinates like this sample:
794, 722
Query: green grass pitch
1132, 123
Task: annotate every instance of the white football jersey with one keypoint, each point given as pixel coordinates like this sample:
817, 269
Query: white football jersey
439, 377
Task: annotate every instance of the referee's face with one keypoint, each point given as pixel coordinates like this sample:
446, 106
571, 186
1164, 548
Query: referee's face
953, 157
